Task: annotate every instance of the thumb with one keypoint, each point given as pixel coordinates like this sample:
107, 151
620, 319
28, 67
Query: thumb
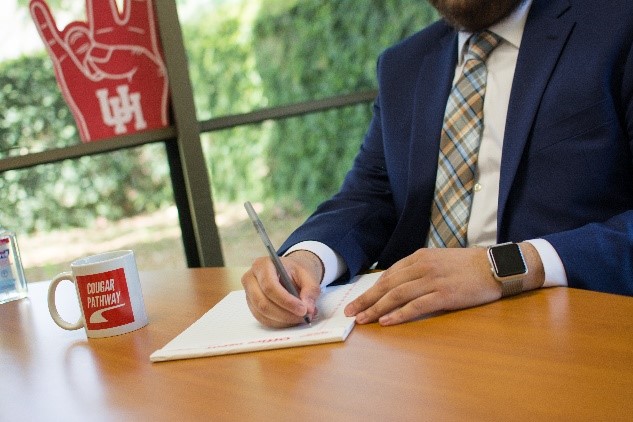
307, 276
309, 294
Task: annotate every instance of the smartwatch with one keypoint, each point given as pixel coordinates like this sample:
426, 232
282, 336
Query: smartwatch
508, 267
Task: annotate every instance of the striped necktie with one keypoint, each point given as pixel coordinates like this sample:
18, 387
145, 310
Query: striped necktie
459, 145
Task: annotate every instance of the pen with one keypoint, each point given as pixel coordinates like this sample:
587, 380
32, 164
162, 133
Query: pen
283, 274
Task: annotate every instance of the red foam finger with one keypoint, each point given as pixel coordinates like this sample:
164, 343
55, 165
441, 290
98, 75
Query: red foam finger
47, 28
103, 15
78, 41
141, 15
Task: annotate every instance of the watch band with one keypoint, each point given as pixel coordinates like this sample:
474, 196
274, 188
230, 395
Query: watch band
511, 287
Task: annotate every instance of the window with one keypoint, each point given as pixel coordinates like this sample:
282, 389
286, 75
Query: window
283, 92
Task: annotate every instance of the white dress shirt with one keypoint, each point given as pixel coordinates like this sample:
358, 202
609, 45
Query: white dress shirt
482, 225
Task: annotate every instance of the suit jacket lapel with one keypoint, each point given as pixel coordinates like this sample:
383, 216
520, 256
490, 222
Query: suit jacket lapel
546, 32
431, 92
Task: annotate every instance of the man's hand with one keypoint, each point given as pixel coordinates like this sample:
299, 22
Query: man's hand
267, 299
432, 280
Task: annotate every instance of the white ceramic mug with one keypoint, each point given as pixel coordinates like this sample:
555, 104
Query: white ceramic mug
109, 292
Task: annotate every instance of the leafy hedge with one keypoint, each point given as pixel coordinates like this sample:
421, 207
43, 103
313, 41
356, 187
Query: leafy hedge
243, 57
292, 51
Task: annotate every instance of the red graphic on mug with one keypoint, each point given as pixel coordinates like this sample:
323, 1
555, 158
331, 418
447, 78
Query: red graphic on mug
105, 299
109, 68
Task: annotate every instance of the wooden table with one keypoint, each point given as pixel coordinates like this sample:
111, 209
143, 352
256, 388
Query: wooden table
554, 354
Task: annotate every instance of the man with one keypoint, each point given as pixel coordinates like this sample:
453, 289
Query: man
554, 172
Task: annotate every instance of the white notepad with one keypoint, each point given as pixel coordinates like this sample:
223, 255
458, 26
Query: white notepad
229, 327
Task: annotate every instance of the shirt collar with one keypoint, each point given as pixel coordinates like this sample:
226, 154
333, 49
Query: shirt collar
510, 29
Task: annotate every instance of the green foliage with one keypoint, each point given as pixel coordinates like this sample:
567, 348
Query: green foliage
76, 192
34, 114
222, 63
318, 49
223, 71
267, 53
243, 56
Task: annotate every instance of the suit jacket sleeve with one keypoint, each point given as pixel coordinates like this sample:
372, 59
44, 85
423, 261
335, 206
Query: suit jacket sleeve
599, 255
358, 221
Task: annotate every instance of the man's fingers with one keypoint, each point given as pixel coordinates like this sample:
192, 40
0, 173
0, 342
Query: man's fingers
307, 285
401, 304
397, 293
268, 313
383, 285
272, 289
387, 301
269, 302
422, 305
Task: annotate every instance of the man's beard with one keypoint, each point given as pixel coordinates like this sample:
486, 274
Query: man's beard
474, 15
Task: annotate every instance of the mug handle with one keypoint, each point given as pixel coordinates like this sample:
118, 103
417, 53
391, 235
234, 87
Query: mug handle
52, 306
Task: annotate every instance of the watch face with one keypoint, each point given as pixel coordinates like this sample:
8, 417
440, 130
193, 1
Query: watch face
508, 260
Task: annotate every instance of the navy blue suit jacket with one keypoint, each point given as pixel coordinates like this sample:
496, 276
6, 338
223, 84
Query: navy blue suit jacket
567, 161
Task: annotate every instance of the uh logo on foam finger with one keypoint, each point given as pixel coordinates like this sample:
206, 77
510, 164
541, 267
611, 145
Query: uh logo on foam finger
105, 299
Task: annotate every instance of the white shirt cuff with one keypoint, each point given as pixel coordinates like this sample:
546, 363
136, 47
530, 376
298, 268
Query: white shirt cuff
554, 270
333, 264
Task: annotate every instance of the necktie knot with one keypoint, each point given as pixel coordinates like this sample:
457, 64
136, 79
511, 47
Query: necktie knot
481, 44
